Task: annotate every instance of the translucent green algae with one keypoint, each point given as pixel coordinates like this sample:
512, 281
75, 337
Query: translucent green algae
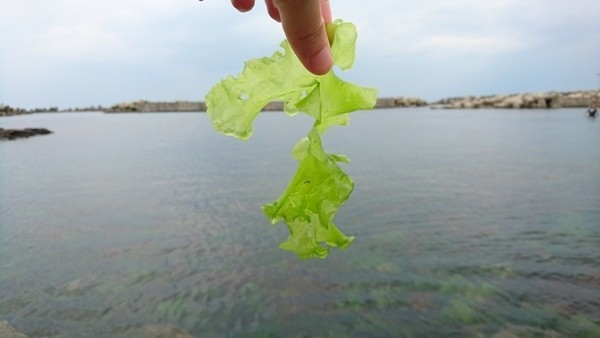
319, 186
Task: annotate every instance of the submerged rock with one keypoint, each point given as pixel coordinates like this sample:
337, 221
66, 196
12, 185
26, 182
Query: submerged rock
13, 134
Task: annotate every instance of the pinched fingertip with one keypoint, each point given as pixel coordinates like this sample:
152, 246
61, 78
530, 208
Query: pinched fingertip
321, 63
273, 11
243, 5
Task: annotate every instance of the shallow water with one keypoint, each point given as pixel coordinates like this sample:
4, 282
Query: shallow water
467, 223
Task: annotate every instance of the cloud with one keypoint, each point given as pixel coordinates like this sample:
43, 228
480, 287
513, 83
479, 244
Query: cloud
80, 41
472, 44
102, 51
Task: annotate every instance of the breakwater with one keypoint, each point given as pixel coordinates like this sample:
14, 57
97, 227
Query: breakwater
544, 100
541, 100
10, 111
143, 106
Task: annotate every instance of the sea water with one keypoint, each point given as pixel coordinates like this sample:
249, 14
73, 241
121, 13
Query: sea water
468, 223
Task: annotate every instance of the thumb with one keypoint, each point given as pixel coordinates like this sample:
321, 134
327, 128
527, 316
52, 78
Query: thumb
303, 24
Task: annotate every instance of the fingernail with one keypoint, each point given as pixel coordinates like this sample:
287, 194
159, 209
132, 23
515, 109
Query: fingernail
322, 62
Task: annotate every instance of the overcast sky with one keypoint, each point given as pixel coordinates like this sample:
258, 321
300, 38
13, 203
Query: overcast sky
75, 53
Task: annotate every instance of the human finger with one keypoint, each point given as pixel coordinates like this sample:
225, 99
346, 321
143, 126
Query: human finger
326, 11
243, 5
304, 28
272, 10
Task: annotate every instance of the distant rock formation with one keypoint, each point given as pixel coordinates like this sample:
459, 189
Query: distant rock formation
389, 102
10, 111
578, 99
400, 101
545, 100
13, 134
144, 106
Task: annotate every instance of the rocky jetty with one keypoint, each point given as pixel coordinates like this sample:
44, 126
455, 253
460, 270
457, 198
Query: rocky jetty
13, 134
10, 111
400, 101
577, 99
390, 102
144, 106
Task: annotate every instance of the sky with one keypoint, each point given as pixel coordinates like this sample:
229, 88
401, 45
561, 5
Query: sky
80, 53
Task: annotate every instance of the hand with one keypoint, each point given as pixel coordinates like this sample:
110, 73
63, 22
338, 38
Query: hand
303, 23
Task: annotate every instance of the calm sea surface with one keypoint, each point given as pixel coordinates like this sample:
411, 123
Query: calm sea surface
467, 223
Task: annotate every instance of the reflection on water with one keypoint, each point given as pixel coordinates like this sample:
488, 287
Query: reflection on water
468, 223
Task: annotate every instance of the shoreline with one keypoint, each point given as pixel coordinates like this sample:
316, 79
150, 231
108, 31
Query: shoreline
542, 100
539, 100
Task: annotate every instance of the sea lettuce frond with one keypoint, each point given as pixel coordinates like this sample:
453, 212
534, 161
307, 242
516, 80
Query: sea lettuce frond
319, 187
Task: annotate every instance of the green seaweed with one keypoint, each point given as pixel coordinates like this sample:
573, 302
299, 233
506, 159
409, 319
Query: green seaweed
319, 187
459, 310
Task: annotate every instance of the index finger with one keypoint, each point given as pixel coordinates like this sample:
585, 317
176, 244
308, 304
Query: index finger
326, 11
274, 12
303, 24
243, 5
